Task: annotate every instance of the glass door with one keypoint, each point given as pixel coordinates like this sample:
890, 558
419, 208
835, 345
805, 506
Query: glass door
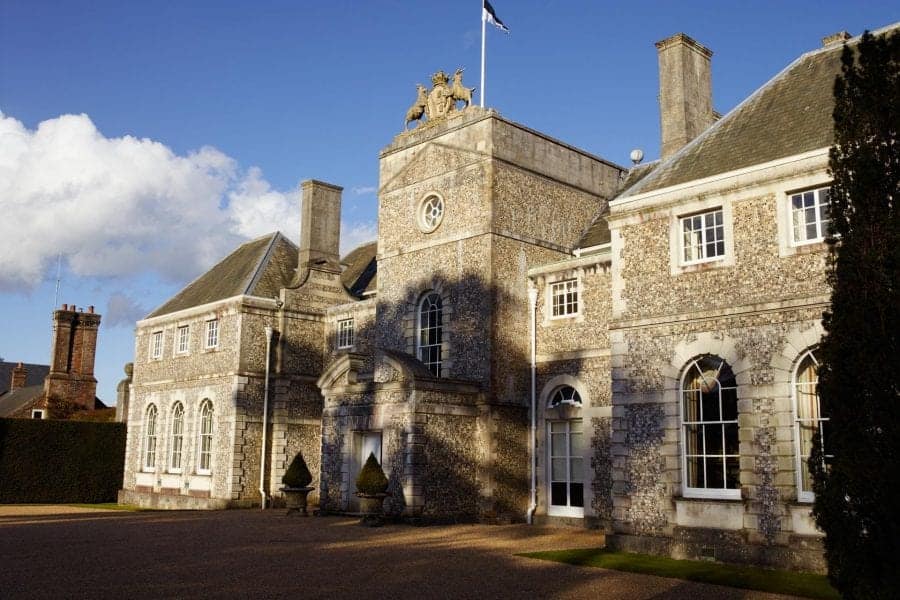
566, 468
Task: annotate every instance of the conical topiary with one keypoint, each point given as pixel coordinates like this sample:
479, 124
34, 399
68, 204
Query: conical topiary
371, 479
297, 475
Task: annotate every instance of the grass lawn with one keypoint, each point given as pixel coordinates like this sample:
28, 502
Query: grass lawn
750, 578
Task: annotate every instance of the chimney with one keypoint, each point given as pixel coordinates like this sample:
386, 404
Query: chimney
836, 38
685, 92
320, 227
19, 376
72, 354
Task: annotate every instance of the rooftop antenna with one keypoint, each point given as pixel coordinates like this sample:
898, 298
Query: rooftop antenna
58, 274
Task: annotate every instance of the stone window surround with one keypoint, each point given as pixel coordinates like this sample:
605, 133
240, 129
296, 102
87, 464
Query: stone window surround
170, 451
803, 496
179, 327
37, 413
156, 344
422, 219
411, 326
562, 412
345, 332
552, 295
704, 493
209, 324
548, 280
200, 435
149, 434
676, 251
786, 244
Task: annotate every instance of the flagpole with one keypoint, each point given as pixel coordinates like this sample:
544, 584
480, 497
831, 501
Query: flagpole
483, 23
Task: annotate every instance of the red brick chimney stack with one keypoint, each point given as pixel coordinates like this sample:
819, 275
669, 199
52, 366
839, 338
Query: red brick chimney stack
19, 375
74, 347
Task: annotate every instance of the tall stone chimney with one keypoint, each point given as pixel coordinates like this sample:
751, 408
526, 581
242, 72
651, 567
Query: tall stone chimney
320, 227
19, 377
685, 92
71, 378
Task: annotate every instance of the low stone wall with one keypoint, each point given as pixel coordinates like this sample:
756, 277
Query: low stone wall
178, 501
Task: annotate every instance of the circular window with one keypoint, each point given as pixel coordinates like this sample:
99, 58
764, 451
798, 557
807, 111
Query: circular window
565, 395
430, 212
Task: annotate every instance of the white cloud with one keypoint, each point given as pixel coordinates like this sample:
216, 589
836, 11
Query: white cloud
353, 235
123, 206
122, 309
365, 190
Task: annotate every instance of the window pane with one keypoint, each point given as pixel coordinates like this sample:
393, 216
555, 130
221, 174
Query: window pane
729, 404
693, 439
732, 444
715, 472
694, 472
576, 469
557, 426
713, 435
732, 473
558, 469
710, 406
558, 444
576, 494
558, 493
575, 441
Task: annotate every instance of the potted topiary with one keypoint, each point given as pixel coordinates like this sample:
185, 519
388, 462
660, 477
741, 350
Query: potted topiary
371, 486
296, 482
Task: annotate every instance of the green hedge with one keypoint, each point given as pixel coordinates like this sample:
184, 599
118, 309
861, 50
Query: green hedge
60, 461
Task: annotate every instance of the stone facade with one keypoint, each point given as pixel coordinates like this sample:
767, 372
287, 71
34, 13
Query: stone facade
542, 324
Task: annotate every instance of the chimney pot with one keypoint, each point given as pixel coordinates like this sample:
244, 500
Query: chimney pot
91, 309
65, 307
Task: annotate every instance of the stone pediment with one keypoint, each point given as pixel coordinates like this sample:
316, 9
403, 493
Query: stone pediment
432, 160
391, 366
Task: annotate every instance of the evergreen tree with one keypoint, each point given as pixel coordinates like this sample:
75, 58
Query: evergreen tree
855, 468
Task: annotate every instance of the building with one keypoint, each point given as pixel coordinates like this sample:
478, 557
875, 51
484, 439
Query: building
647, 334
65, 387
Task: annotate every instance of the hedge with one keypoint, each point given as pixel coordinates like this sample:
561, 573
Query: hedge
60, 461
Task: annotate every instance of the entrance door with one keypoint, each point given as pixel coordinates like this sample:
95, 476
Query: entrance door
365, 443
566, 468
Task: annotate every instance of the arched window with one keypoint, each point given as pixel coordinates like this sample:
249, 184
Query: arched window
808, 420
205, 439
177, 441
565, 394
150, 433
709, 430
431, 332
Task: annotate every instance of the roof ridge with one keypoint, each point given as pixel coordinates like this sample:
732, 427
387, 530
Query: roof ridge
261, 264
660, 169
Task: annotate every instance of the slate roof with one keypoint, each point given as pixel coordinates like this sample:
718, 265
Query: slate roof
13, 401
597, 232
260, 267
361, 273
35, 375
789, 115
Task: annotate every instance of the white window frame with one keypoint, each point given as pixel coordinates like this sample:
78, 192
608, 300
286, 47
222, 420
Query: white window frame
564, 289
211, 335
150, 439
704, 236
156, 345
817, 207
205, 433
37, 413
435, 366
804, 495
567, 510
345, 333
176, 439
182, 334
706, 492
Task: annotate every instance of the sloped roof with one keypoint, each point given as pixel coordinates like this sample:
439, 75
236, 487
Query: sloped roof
361, 273
12, 402
34, 376
789, 115
260, 267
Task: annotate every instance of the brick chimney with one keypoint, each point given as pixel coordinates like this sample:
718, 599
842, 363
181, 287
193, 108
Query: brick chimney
320, 228
74, 346
685, 92
19, 376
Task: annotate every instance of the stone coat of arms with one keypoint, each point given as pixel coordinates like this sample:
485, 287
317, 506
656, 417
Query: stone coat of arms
441, 100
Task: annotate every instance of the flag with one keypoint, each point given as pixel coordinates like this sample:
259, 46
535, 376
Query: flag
491, 17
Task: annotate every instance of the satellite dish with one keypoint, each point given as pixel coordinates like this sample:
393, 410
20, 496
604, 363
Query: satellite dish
637, 155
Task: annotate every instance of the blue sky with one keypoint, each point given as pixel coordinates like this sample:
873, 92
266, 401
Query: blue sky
144, 140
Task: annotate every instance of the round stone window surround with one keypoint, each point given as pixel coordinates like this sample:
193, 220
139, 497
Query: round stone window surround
430, 212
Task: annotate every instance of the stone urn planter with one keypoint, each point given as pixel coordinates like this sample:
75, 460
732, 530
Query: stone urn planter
295, 499
371, 489
296, 488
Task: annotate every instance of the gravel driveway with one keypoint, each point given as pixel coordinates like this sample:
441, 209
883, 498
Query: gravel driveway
57, 552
